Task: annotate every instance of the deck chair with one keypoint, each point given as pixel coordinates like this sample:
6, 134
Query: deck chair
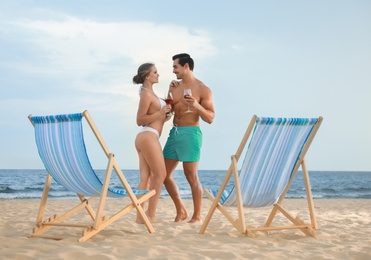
275, 152
61, 146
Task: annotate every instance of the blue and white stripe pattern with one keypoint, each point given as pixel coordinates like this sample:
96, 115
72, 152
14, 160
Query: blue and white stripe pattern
275, 146
60, 143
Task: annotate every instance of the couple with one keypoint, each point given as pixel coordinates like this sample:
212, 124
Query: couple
185, 138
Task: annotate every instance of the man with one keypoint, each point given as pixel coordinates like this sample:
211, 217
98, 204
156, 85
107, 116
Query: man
185, 138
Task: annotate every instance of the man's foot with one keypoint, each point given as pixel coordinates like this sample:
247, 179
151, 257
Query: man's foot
182, 216
195, 221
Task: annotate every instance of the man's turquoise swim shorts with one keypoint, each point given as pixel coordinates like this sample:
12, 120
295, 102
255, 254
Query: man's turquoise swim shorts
184, 144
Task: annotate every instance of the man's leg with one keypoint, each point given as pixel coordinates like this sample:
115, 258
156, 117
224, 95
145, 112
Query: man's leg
191, 173
173, 190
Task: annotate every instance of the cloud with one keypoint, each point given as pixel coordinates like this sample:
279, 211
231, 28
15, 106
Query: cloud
99, 57
85, 46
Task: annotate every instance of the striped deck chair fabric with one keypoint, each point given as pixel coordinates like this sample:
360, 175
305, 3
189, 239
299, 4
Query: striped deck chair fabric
275, 152
61, 147
270, 160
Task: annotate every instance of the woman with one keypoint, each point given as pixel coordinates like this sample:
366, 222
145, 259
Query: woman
151, 116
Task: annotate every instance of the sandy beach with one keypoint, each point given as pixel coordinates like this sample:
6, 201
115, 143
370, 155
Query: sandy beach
344, 233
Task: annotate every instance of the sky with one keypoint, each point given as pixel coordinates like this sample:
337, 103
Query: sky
284, 58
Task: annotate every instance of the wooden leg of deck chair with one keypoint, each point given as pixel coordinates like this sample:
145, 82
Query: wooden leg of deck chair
209, 215
234, 222
40, 215
56, 220
134, 199
283, 195
44, 199
305, 228
88, 207
215, 201
90, 231
241, 215
308, 189
104, 191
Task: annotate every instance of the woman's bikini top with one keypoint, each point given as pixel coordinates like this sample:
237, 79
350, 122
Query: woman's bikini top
162, 102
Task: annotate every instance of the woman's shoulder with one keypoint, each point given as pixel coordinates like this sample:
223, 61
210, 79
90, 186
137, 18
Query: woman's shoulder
147, 95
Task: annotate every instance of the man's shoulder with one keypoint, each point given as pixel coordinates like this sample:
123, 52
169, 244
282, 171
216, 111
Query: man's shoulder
202, 85
205, 91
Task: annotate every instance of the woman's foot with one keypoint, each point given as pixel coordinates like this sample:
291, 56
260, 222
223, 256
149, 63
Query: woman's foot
139, 219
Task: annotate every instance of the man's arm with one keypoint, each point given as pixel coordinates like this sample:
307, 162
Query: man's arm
206, 106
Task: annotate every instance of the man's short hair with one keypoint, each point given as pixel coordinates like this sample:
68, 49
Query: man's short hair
183, 59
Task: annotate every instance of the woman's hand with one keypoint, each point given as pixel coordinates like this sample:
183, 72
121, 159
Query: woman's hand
174, 83
166, 109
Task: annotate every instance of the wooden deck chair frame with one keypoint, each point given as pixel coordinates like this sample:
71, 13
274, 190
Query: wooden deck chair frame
239, 223
99, 221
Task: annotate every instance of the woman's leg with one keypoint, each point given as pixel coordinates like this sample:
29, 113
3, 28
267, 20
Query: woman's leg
145, 173
144, 180
152, 153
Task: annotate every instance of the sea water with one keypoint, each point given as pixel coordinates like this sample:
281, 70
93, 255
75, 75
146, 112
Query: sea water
29, 184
